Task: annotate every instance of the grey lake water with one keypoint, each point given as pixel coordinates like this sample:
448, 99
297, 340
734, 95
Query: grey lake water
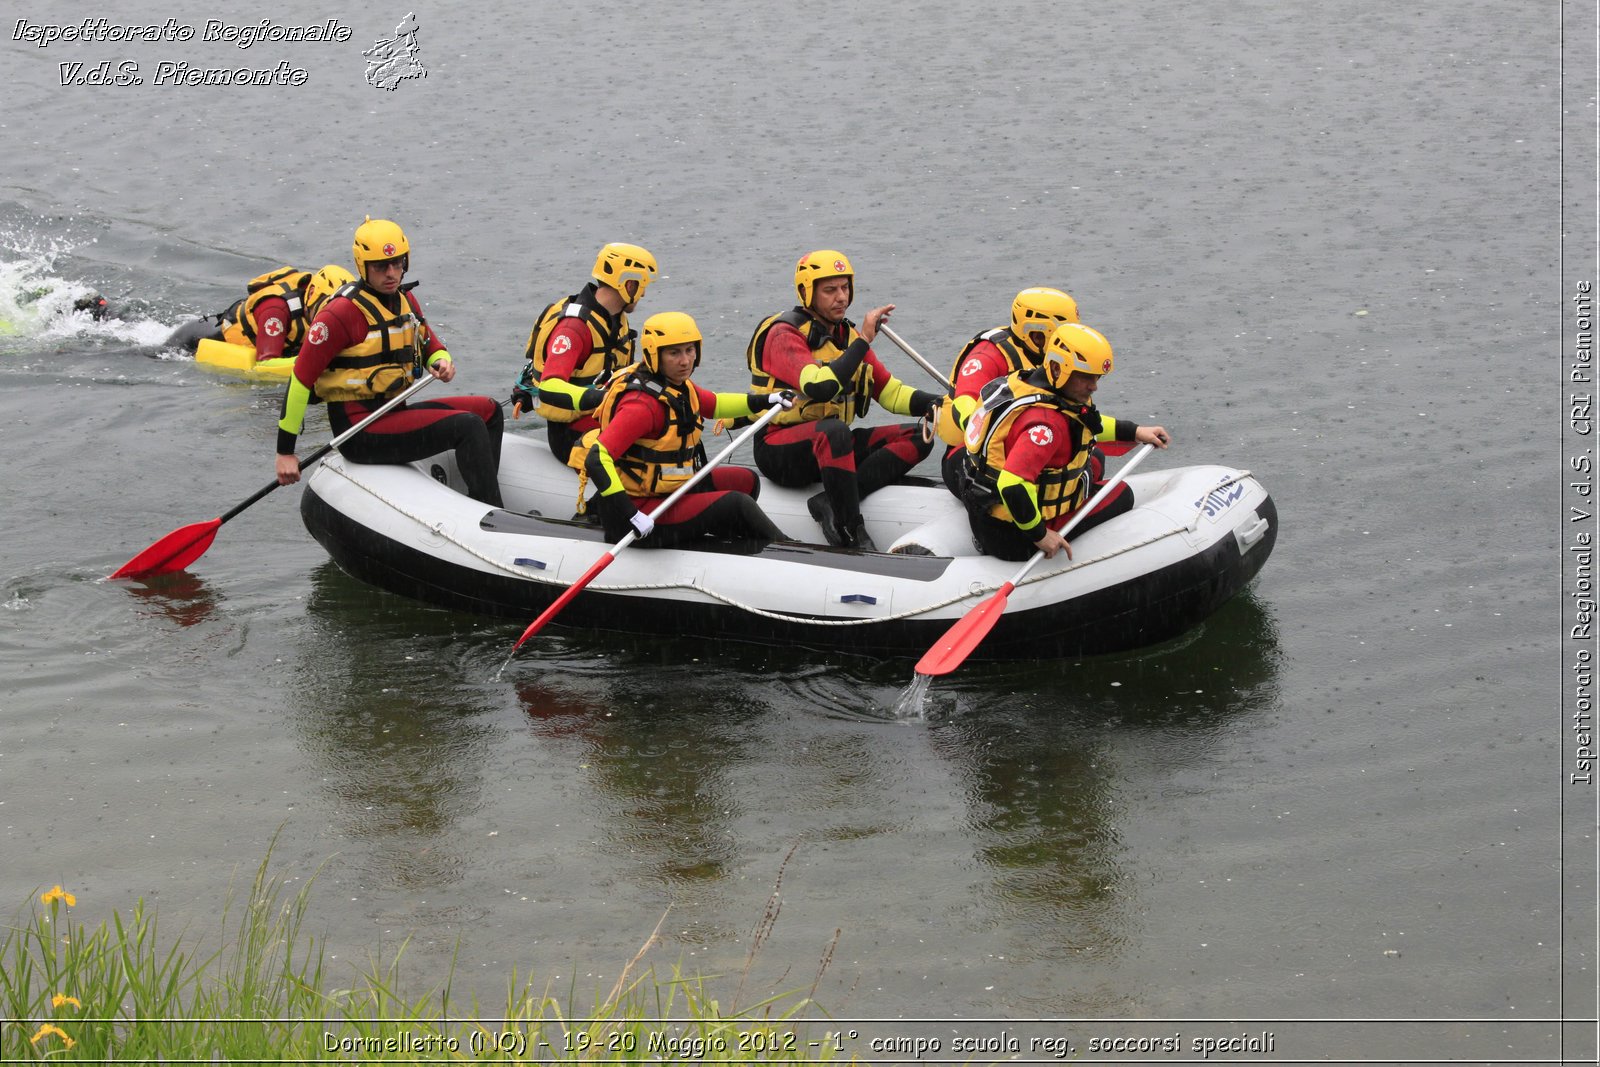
1347, 813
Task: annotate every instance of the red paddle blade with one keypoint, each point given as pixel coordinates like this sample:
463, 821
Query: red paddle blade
958, 642
173, 552
545, 616
563, 600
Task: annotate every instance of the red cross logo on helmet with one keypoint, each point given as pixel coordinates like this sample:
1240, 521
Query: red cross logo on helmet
388, 251
1105, 366
839, 266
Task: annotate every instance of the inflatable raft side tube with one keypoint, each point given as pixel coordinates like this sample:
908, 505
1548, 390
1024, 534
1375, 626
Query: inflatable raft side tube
1153, 607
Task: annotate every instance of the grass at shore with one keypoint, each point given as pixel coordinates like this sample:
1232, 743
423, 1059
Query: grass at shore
121, 992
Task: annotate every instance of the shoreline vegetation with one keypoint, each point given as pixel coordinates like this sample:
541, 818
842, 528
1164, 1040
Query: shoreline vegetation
119, 992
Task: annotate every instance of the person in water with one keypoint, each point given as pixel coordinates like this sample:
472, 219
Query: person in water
649, 445
273, 315
368, 341
94, 304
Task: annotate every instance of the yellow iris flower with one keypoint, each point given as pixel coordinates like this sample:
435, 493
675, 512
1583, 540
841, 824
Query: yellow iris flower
46, 1030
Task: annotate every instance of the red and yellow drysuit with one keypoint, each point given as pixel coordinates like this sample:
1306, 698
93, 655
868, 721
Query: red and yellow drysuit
650, 445
836, 376
364, 347
1030, 465
271, 318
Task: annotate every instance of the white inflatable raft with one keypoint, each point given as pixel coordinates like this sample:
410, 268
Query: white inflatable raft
1194, 538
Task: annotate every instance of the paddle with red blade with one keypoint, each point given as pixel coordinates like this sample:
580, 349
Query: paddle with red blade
186, 544
605, 561
958, 642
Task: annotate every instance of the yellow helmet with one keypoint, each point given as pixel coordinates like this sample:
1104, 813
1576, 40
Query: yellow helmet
378, 240
819, 266
619, 264
324, 284
663, 331
1075, 347
1036, 312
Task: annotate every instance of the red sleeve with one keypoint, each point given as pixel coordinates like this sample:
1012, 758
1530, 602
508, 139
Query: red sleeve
567, 347
434, 344
785, 354
337, 326
708, 400
983, 365
880, 373
637, 416
1038, 439
272, 327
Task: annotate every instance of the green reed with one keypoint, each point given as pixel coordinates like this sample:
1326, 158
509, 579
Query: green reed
121, 992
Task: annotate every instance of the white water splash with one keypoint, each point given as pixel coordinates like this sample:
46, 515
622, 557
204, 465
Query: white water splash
37, 303
913, 702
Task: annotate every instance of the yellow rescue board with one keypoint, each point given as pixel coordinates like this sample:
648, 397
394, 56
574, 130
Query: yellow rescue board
241, 360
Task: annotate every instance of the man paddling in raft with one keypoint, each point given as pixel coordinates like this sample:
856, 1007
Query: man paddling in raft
1028, 445
817, 352
367, 343
577, 343
998, 353
273, 315
649, 445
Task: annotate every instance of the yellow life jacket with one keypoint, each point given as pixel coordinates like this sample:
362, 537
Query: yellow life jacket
656, 466
854, 396
1018, 359
383, 362
1061, 489
613, 345
289, 283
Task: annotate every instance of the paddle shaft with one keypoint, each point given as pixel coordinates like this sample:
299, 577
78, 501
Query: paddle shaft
186, 544
632, 535
574, 589
744, 435
1083, 513
884, 329
388, 406
957, 644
